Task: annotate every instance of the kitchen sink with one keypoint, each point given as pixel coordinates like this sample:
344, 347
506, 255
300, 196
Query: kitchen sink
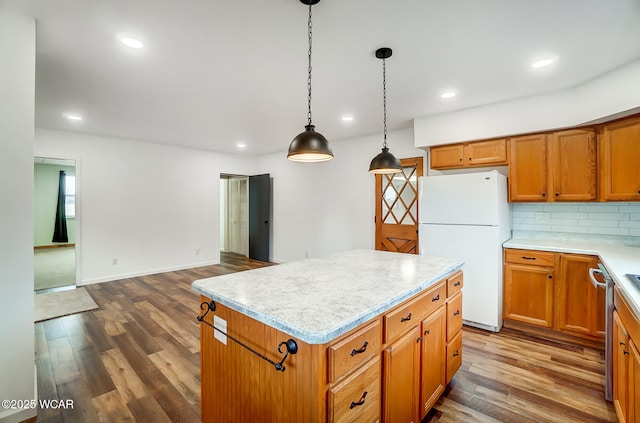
635, 279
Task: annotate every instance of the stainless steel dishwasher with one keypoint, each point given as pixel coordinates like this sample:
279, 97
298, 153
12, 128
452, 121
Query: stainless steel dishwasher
607, 284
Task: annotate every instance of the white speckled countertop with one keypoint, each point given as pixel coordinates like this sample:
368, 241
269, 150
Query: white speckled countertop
617, 258
317, 300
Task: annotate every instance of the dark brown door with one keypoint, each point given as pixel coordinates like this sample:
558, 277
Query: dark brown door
259, 216
397, 208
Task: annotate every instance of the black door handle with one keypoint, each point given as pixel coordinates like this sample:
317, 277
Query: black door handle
267, 222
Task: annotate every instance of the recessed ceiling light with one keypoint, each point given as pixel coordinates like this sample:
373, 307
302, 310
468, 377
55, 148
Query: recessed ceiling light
72, 116
347, 118
448, 94
131, 42
241, 145
541, 63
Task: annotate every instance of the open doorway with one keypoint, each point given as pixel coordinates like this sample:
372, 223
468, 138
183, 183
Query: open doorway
234, 214
54, 239
245, 215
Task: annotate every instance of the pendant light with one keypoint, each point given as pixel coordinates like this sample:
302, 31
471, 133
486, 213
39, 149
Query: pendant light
384, 162
309, 146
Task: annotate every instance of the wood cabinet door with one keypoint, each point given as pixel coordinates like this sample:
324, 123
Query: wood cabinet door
528, 168
401, 361
581, 306
528, 294
484, 153
446, 156
634, 383
619, 161
433, 359
572, 162
620, 368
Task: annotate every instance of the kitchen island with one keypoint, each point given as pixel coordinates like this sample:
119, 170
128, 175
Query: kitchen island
358, 336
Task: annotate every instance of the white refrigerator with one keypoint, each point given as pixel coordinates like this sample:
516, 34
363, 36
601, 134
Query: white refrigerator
467, 217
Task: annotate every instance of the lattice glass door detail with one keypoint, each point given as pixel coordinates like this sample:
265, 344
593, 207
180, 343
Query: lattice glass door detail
400, 197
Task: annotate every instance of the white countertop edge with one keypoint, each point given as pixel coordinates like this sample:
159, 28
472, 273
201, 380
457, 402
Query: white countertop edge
331, 334
618, 260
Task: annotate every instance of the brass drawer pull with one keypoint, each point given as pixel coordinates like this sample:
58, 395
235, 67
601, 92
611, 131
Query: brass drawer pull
361, 350
405, 319
359, 403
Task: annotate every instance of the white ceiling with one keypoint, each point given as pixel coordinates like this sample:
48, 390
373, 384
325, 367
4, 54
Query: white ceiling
216, 72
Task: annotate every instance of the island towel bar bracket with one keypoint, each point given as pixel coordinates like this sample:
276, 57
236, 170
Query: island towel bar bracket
290, 345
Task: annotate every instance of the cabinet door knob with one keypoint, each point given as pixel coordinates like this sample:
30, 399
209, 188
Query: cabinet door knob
544, 194
455, 313
550, 276
419, 339
625, 352
361, 402
557, 194
427, 332
457, 353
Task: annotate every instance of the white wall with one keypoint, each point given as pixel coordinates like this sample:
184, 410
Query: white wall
322, 208
610, 94
17, 85
150, 206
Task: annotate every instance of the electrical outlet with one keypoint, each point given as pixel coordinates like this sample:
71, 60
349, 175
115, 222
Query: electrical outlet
542, 217
114, 260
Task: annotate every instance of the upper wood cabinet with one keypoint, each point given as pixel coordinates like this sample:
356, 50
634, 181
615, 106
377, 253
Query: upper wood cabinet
471, 154
528, 168
560, 166
572, 164
619, 160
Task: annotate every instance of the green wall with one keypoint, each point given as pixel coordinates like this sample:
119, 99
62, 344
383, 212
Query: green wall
45, 177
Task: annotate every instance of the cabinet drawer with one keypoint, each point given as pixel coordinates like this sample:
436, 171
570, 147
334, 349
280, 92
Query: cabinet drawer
531, 257
354, 350
454, 356
454, 284
405, 317
454, 316
357, 398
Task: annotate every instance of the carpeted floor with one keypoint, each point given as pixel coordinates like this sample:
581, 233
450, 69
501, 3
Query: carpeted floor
54, 267
62, 303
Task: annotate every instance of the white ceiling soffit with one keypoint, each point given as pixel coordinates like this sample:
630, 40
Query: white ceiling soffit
213, 74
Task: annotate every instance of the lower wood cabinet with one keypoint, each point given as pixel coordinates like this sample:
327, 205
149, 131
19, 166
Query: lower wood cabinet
401, 378
626, 361
391, 369
553, 290
433, 367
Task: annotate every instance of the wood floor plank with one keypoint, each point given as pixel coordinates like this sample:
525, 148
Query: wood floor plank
137, 358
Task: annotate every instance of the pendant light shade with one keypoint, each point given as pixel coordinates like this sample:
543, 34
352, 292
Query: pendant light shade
309, 146
384, 162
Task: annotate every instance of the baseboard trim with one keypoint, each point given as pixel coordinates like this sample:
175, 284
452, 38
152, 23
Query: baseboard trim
145, 273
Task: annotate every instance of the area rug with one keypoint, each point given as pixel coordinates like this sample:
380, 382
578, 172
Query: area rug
62, 303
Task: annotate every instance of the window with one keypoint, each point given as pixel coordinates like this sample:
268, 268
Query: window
70, 196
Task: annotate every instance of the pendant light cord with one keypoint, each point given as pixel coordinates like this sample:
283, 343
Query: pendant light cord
309, 69
384, 100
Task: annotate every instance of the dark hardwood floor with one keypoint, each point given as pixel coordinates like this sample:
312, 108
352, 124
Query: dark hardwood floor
136, 358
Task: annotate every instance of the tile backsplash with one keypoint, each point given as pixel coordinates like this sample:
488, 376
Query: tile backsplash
617, 222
